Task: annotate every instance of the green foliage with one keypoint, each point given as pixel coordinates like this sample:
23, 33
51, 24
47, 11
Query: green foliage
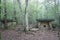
36, 10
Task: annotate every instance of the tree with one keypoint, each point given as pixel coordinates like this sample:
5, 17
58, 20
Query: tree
46, 8
56, 10
26, 14
0, 12
20, 8
5, 15
19, 2
15, 18
0, 7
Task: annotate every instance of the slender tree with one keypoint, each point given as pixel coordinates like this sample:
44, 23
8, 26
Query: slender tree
5, 14
19, 2
46, 9
14, 10
0, 17
0, 11
26, 14
0, 6
56, 10
20, 7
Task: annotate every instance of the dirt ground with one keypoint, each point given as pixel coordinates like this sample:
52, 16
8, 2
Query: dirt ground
19, 35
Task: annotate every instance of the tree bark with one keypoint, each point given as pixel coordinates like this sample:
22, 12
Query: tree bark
14, 10
46, 8
0, 8
57, 10
26, 14
20, 7
0, 12
19, 2
5, 14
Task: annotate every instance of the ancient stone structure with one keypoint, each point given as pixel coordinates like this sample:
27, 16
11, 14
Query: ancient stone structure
45, 23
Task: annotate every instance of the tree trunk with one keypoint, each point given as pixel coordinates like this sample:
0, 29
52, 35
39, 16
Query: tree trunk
20, 7
56, 10
0, 7
14, 11
46, 9
19, 2
26, 14
5, 15
0, 12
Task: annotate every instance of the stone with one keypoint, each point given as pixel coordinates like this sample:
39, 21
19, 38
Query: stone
34, 29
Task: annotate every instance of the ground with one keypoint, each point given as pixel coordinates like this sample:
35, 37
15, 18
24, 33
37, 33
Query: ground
38, 35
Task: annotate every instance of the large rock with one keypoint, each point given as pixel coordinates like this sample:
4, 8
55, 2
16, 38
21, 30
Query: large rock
34, 29
11, 25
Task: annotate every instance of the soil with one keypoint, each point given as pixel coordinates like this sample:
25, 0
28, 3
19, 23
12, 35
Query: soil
17, 34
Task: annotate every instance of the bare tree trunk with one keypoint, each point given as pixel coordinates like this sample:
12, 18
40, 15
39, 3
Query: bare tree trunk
5, 14
19, 2
0, 8
37, 9
20, 7
15, 18
0, 13
26, 15
0, 19
46, 9
56, 10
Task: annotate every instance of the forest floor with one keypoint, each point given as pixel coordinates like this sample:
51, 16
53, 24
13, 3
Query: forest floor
20, 35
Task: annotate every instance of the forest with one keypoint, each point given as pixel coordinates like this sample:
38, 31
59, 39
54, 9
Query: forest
27, 16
